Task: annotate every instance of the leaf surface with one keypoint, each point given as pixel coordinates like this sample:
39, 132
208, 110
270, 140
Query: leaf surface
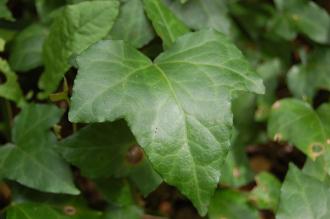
32, 148
26, 52
303, 196
166, 24
132, 25
167, 103
74, 29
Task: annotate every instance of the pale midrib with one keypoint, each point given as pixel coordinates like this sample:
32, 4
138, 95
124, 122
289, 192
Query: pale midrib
185, 126
165, 23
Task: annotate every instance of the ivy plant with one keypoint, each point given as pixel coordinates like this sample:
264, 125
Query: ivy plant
141, 109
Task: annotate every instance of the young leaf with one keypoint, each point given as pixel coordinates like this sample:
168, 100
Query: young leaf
231, 204
75, 29
10, 88
32, 149
200, 14
110, 145
306, 79
26, 52
166, 24
267, 192
132, 25
167, 103
303, 196
295, 121
304, 17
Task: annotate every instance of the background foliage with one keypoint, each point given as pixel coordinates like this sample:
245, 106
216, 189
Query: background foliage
164, 109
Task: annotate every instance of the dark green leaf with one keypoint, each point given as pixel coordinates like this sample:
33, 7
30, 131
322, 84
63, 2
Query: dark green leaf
166, 24
166, 103
32, 149
26, 52
132, 25
75, 29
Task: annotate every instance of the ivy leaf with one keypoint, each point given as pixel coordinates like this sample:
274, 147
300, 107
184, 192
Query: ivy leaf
295, 121
166, 103
267, 192
4, 11
306, 79
303, 196
10, 88
199, 14
166, 24
231, 204
110, 144
74, 29
132, 25
32, 210
304, 17
26, 52
32, 148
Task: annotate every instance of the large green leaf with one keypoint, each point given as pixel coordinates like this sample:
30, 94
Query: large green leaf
75, 29
26, 52
33, 210
167, 103
31, 159
109, 144
10, 88
306, 79
231, 205
295, 121
132, 25
200, 14
166, 24
303, 196
301, 16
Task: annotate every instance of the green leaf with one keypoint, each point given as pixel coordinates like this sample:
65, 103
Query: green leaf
166, 24
303, 196
295, 121
306, 79
2, 44
267, 192
26, 52
304, 17
231, 205
10, 88
75, 29
166, 103
109, 144
33, 210
132, 25
200, 14
32, 149
4, 11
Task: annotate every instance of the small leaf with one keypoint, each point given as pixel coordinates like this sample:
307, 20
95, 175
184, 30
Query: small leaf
267, 191
200, 14
32, 149
306, 79
75, 29
303, 196
26, 52
10, 88
166, 24
132, 25
166, 103
295, 121
232, 205
109, 144
304, 17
